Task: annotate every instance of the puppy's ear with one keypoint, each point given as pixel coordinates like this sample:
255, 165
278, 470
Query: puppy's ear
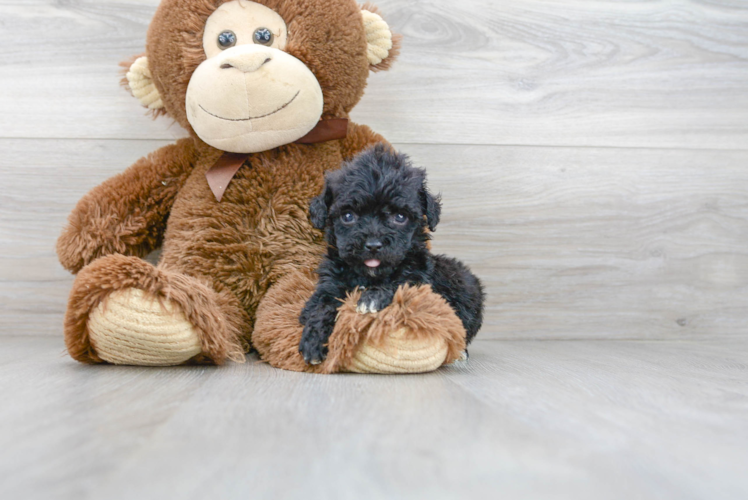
319, 206
432, 208
318, 212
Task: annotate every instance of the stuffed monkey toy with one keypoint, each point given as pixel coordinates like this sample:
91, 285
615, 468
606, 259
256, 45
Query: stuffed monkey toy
264, 88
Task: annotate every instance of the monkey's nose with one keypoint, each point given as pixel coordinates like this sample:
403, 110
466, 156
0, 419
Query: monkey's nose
247, 63
373, 245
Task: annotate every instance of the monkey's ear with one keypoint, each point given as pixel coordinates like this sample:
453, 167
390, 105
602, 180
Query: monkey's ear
432, 208
382, 46
140, 83
318, 209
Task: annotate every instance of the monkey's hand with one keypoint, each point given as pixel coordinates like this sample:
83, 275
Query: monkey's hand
91, 234
127, 213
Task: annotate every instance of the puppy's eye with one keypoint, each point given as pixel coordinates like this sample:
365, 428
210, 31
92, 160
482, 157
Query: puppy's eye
263, 36
399, 219
226, 39
348, 218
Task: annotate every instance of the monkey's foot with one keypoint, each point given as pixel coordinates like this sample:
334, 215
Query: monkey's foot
122, 310
418, 332
399, 353
132, 328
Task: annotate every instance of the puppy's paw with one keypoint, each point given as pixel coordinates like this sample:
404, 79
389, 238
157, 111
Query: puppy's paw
366, 307
314, 352
373, 300
312, 347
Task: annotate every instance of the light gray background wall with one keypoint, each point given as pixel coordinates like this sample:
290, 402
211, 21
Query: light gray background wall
593, 156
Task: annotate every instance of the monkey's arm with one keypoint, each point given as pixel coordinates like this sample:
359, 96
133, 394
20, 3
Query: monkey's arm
127, 213
359, 137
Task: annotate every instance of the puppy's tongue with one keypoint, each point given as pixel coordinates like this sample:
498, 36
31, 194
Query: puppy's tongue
372, 263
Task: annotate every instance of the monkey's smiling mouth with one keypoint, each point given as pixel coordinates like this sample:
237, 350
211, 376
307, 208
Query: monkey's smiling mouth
251, 117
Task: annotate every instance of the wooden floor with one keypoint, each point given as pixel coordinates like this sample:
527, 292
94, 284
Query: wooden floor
521, 419
593, 162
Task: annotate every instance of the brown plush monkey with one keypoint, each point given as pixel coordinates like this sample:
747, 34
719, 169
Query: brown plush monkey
264, 88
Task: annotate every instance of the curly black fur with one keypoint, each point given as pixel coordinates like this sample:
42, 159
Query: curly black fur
374, 212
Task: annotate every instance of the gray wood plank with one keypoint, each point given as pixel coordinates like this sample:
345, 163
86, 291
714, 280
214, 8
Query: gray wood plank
571, 243
623, 243
41, 182
522, 419
656, 74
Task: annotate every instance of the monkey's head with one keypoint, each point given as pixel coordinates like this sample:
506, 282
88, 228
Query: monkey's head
248, 76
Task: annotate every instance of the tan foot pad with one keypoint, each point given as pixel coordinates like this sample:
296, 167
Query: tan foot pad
400, 355
417, 333
132, 328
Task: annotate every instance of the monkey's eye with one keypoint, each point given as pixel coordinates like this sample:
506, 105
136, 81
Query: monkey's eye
263, 36
348, 218
226, 39
400, 218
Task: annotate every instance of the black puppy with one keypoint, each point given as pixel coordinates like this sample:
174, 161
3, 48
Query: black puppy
375, 211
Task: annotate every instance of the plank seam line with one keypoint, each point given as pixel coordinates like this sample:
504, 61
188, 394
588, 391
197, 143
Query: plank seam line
438, 144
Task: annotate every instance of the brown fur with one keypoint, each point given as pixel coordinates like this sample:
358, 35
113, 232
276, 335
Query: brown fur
417, 309
397, 42
127, 213
220, 260
329, 38
216, 316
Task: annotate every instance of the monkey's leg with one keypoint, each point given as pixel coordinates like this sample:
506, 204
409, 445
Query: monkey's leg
123, 310
417, 332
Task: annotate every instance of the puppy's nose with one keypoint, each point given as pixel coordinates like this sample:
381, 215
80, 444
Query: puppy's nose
373, 245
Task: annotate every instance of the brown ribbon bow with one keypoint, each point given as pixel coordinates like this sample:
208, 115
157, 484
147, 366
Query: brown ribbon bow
220, 174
